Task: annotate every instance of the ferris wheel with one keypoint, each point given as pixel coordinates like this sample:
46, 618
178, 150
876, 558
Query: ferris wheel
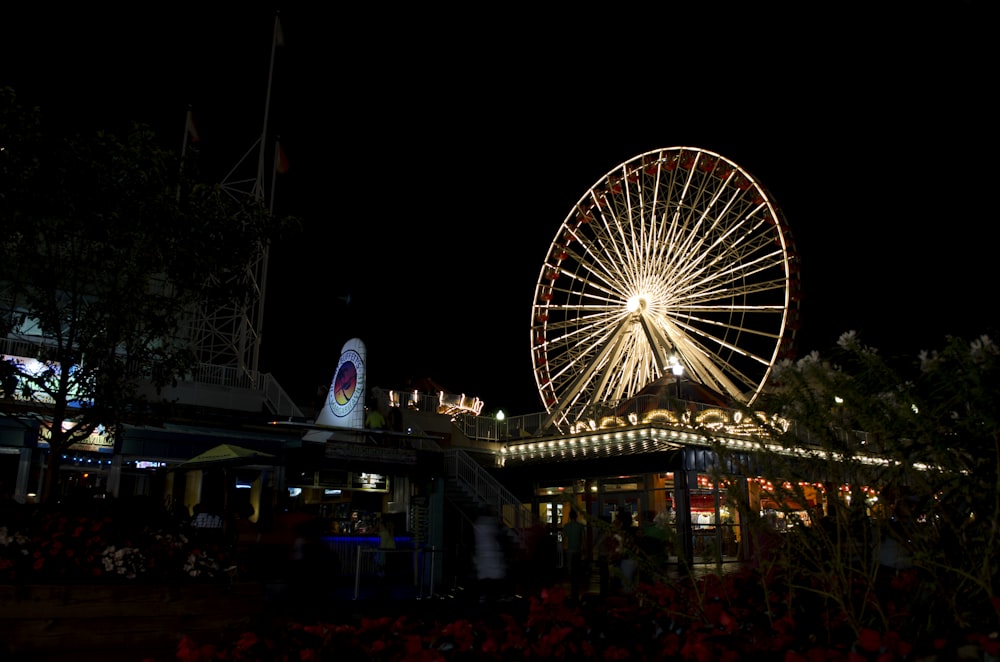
677, 259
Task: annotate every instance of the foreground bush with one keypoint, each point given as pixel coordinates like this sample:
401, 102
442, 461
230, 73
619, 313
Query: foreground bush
732, 617
43, 545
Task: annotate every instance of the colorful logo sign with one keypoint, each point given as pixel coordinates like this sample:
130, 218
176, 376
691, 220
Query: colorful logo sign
346, 392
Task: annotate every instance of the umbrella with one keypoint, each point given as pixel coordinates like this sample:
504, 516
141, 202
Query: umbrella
223, 457
226, 455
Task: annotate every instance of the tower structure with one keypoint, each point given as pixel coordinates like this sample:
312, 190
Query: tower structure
230, 336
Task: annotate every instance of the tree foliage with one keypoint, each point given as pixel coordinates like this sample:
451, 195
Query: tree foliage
109, 250
918, 444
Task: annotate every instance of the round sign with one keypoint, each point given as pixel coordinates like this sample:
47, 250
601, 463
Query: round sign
345, 394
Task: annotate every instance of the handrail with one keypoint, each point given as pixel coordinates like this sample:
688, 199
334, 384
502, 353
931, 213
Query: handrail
514, 514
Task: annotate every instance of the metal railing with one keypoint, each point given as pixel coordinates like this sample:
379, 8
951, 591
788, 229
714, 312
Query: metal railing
422, 566
628, 412
484, 486
232, 377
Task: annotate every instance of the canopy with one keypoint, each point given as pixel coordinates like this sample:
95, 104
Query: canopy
226, 455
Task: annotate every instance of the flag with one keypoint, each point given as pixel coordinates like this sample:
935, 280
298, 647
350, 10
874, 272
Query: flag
190, 129
280, 159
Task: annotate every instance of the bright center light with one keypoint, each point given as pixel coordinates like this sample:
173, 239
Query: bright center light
635, 303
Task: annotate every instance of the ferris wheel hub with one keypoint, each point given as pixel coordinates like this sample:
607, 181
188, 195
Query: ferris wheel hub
636, 303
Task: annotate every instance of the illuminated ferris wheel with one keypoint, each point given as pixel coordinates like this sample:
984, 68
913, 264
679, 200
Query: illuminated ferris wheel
674, 260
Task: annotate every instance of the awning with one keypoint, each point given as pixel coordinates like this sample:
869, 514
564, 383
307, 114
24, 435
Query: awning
227, 455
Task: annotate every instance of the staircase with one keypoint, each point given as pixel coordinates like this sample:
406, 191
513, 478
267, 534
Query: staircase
471, 488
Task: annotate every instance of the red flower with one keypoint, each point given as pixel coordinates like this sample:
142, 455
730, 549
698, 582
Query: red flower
412, 645
697, 649
870, 640
989, 645
246, 640
613, 652
189, 651
784, 625
670, 645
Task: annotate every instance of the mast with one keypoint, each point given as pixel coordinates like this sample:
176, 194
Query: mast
277, 40
231, 337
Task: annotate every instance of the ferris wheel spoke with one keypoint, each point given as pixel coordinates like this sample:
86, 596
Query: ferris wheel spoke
701, 326
728, 250
712, 371
578, 382
597, 250
723, 280
714, 362
581, 342
676, 250
738, 291
722, 344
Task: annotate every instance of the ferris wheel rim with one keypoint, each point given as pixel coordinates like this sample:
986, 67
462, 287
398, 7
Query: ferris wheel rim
731, 262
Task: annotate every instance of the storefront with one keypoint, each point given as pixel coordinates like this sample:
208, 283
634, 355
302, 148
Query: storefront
353, 488
648, 499
651, 476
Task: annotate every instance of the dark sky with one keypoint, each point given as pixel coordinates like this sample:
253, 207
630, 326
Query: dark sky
434, 156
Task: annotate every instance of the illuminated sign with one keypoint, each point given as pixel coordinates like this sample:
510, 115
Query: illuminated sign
366, 482
99, 441
346, 451
39, 372
345, 399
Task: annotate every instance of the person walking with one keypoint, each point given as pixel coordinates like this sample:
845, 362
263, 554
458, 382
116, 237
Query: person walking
573, 537
491, 566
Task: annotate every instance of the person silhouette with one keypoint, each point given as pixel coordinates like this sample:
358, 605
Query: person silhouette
374, 420
491, 566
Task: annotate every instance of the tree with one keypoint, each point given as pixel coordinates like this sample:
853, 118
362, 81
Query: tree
918, 442
108, 254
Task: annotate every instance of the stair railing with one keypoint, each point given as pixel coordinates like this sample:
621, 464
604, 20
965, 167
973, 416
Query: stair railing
472, 476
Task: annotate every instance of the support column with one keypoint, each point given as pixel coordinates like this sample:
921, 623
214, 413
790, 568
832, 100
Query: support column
682, 506
115, 476
23, 474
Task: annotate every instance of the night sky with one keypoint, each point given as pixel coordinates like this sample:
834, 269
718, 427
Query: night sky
434, 155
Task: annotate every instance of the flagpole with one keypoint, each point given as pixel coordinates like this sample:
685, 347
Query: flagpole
274, 172
188, 133
258, 190
267, 252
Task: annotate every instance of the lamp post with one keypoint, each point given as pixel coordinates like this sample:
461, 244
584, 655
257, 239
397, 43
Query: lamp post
678, 370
